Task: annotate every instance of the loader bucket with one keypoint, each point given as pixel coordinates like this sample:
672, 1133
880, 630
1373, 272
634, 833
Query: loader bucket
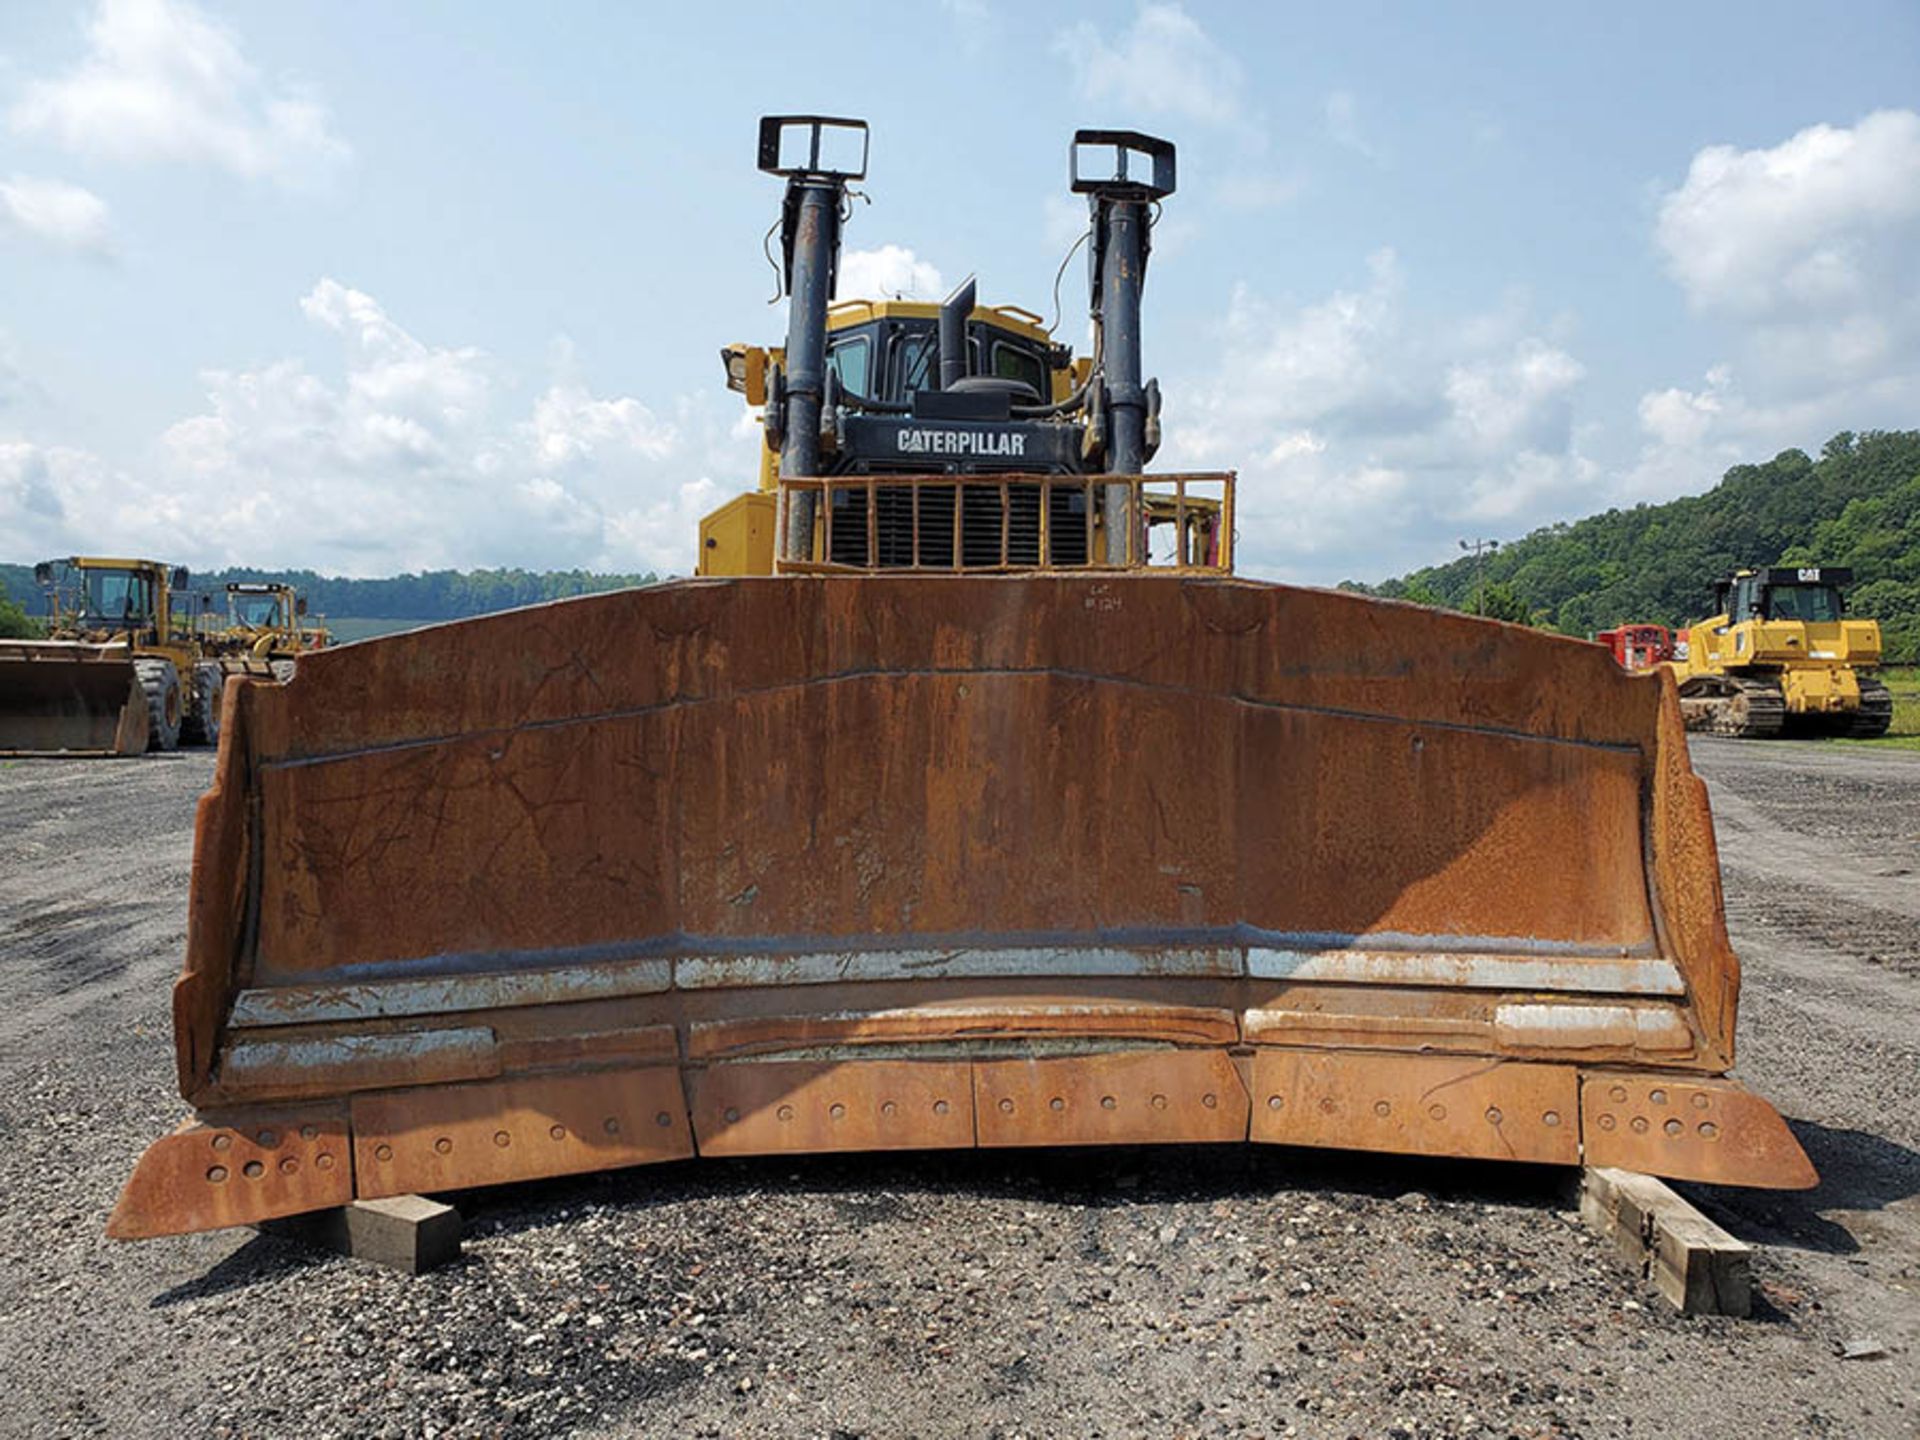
60, 697
761, 866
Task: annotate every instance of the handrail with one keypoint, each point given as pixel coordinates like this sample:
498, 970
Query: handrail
1006, 523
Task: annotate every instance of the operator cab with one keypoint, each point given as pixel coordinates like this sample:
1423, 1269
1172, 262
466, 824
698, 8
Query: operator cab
1810, 594
890, 350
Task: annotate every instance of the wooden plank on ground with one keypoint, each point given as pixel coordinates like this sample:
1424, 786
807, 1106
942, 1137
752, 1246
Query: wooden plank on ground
1690, 1260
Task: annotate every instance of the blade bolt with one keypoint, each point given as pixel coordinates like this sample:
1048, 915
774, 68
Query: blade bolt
1159, 1102
217, 1173
1708, 1130
785, 1112
289, 1165
1494, 1117
1107, 1102
733, 1116
940, 1107
558, 1132
1274, 1102
1639, 1124
1210, 1101
222, 1142
837, 1111
1673, 1127
502, 1139
1436, 1112
1056, 1103
443, 1145
1700, 1101
383, 1152
1382, 1109
664, 1119
268, 1139
309, 1132
1658, 1097
253, 1169
611, 1125
1006, 1107
1550, 1119
323, 1161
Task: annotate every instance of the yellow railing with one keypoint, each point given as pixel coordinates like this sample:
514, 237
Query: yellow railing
999, 523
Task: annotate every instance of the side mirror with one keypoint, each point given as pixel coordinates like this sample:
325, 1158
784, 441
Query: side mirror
180, 579
43, 573
300, 605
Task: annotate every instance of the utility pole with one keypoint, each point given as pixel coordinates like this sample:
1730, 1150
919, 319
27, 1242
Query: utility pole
1478, 549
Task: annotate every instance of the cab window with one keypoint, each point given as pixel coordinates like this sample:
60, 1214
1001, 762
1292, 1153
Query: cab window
1011, 362
1813, 604
851, 361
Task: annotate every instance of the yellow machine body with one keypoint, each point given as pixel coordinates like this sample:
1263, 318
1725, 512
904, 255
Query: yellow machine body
1783, 657
125, 670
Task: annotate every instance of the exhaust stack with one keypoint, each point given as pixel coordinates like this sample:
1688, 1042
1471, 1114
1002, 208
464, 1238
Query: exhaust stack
1122, 173
818, 155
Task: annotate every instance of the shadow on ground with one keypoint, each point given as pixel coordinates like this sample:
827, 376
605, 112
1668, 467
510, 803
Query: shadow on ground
1858, 1171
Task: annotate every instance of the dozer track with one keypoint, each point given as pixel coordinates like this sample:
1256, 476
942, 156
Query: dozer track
1744, 709
1875, 714
768, 866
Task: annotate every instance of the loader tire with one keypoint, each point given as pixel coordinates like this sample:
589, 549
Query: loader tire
202, 723
165, 705
1875, 714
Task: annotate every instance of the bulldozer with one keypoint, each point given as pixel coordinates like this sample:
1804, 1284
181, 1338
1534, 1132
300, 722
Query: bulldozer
1781, 656
966, 799
125, 669
266, 630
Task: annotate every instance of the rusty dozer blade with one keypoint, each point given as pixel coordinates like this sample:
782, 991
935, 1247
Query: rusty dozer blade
66, 697
761, 866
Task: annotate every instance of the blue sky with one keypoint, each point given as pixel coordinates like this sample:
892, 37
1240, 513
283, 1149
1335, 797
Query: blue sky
367, 287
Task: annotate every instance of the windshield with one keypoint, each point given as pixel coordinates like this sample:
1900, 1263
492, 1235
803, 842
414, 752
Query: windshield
115, 597
256, 611
1813, 603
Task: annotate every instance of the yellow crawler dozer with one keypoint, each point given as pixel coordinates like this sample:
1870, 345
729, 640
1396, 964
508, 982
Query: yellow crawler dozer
1783, 657
979, 805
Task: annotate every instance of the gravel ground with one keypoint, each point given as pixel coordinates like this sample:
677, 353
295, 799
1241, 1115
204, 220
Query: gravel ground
1107, 1293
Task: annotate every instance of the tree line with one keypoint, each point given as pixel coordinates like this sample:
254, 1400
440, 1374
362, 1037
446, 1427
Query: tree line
1857, 505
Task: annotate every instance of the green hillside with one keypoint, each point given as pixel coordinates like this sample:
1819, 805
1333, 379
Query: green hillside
1857, 505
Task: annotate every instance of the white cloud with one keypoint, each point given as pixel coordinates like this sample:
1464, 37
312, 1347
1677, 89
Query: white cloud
64, 216
1806, 258
1163, 64
1810, 249
410, 455
162, 80
1367, 439
891, 272
1343, 125
973, 22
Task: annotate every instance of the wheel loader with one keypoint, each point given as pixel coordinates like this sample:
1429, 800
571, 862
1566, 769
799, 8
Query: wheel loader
967, 799
1781, 656
266, 630
125, 669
